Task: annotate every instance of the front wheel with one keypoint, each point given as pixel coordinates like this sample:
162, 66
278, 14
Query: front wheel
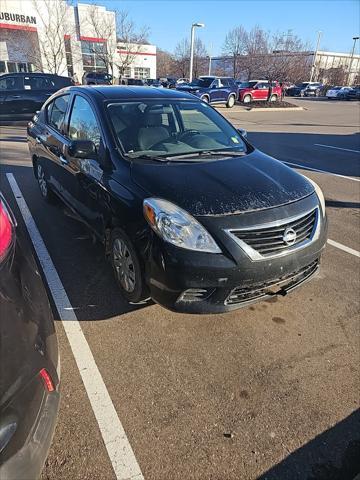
231, 101
205, 99
247, 99
126, 267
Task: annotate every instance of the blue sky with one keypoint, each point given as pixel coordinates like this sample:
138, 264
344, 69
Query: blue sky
170, 20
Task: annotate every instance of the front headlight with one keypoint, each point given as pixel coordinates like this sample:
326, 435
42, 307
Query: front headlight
176, 226
319, 194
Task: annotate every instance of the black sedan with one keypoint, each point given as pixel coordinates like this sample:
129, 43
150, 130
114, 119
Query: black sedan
29, 372
187, 209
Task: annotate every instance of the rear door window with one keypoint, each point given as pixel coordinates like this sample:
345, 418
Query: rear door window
56, 111
38, 83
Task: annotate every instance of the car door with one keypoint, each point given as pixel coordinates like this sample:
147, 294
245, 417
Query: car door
52, 144
12, 90
262, 91
215, 90
90, 196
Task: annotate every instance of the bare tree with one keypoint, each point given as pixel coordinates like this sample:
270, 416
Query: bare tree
130, 40
104, 27
235, 45
182, 58
50, 55
164, 63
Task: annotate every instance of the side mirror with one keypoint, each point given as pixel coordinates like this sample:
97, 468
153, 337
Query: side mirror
82, 149
242, 132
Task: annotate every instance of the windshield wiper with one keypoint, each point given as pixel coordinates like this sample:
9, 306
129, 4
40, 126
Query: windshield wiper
200, 153
148, 157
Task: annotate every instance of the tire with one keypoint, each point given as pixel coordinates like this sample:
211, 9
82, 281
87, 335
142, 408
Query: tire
205, 99
231, 101
126, 266
273, 98
247, 99
45, 190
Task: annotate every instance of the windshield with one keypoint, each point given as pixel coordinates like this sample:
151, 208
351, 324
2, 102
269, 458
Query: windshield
202, 82
157, 128
247, 84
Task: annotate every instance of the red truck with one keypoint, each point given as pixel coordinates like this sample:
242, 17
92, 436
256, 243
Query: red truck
257, 90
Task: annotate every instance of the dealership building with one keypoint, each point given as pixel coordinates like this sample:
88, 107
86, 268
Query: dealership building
54, 36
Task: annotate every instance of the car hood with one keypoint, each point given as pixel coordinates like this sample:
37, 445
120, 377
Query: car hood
223, 187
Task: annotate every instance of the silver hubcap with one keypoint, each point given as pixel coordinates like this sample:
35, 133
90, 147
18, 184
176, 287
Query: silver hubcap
205, 99
247, 99
231, 101
124, 265
41, 180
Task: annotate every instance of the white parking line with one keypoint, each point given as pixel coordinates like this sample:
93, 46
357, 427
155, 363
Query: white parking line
337, 148
343, 247
117, 445
305, 167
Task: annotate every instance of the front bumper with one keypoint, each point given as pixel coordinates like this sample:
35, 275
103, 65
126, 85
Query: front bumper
195, 282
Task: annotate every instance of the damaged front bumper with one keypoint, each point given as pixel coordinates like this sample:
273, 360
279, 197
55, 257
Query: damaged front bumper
196, 282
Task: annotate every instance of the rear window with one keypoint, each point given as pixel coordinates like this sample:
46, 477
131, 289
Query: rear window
248, 84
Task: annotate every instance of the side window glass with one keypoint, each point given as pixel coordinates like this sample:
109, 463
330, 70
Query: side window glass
57, 110
83, 123
38, 83
11, 83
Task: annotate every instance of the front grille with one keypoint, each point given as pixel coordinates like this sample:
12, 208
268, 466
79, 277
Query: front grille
273, 240
265, 289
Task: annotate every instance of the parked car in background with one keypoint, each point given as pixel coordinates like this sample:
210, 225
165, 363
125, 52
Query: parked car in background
153, 82
305, 89
96, 78
22, 94
214, 90
137, 82
29, 372
187, 209
258, 90
353, 94
168, 82
182, 81
337, 92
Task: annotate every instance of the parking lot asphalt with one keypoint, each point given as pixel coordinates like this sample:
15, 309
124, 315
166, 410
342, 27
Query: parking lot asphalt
267, 392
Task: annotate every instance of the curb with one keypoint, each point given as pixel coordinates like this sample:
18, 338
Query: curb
289, 109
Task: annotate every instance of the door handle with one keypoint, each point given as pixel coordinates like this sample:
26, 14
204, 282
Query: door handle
63, 160
14, 96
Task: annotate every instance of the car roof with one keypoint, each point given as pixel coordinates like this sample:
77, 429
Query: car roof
31, 74
124, 92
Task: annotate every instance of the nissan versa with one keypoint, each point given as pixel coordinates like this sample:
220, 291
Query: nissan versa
187, 209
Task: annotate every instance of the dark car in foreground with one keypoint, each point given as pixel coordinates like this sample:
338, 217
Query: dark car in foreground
22, 94
213, 90
96, 78
29, 364
187, 209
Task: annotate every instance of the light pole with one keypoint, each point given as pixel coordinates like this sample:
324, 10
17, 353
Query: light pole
193, 26
315, 55
351, 59
210, 59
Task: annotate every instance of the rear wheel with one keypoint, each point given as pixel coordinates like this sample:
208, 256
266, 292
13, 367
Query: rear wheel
247, 99
205, 99
126, 266
46, 192
231, 101
273, 98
